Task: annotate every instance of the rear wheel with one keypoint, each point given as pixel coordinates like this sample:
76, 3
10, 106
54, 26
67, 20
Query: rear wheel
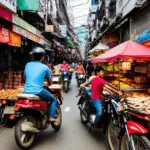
25, 139
112, 135
140, 142
84, 120
66, 86
57, 125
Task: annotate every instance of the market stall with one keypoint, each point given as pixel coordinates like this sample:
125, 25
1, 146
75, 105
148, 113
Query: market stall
128, 65
99, 49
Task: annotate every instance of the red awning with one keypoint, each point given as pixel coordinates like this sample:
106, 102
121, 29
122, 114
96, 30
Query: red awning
124, 51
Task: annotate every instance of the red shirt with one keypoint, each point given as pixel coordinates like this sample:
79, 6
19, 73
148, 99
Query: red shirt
97, 88
65, 67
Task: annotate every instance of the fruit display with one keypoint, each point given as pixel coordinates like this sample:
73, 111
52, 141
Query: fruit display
9, 94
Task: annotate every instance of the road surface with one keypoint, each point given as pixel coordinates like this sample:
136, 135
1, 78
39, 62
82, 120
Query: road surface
72, 136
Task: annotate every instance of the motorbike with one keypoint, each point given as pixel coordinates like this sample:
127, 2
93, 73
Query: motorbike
66, 80
122, 132
32, 115
87, 111
81, 78
56, 79
7, 112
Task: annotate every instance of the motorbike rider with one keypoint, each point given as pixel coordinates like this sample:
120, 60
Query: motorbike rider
97, 85
35, 73
65, 67
80, 68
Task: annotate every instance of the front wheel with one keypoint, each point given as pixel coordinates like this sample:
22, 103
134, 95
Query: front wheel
84, 120
137, 142
113, 135
57, 125
25, 140
66, 86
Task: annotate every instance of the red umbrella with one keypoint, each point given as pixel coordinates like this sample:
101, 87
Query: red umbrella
124, 51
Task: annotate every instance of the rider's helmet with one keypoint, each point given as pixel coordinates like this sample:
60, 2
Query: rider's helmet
38, 53
38, 50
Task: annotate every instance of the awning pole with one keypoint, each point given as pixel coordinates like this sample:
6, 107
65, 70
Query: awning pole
119, 73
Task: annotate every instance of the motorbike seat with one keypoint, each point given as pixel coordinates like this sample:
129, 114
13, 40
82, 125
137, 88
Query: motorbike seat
28, 96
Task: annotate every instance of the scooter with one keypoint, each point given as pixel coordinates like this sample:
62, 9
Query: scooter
66, 80
56, 79
7, 112
81, 78
32, 115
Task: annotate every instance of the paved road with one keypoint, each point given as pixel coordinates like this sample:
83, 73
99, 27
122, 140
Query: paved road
72, 136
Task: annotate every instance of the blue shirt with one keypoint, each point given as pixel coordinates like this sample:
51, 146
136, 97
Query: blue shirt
35, 73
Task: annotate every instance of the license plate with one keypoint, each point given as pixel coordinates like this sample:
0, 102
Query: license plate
9, 110
55, 79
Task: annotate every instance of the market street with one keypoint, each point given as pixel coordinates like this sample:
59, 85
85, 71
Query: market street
72, 136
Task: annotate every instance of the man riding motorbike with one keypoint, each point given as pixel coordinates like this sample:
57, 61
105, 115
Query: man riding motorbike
35, 74
65, 68
97, 85
80, 68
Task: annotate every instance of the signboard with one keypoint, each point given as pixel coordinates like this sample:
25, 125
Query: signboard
23, 24
15, 39
28, 5
63, 30
5, 14
49, 28
4, 34
10, 4
26, 34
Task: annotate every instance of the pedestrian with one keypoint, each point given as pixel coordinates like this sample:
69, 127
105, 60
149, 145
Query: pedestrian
89, 69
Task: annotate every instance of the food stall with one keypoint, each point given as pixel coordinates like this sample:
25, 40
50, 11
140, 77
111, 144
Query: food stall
128, 66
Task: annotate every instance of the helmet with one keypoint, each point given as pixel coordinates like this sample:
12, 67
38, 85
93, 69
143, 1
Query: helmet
37, 50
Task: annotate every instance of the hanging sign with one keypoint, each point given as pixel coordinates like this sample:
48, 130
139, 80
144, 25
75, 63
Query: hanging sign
28, 5
49, 28
4, 34
10, 4
126, 66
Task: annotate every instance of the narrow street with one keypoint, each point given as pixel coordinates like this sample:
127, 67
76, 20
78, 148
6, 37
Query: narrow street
72, 136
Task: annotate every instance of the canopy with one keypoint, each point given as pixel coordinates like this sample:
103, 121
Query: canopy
125, 51
99, 47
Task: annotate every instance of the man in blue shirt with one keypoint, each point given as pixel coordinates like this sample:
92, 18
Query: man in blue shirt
35, 73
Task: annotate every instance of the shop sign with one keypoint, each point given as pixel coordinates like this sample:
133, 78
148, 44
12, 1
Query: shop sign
10, 4
49, 28
4, 34
126, 66
15, 39
26, 34
110, 40
23, 24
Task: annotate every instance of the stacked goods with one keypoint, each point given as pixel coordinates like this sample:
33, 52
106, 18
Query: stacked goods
140, 79
139, 102
140, 69
11, 80
122, 85
9, 94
